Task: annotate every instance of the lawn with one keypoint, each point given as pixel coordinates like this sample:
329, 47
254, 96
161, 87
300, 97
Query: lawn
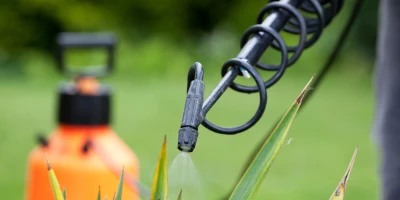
324, 134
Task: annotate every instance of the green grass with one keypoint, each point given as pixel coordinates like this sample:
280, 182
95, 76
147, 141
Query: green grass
328, 128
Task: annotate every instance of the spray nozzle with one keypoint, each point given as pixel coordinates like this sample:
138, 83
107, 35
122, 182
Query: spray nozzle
193, 112
187, 139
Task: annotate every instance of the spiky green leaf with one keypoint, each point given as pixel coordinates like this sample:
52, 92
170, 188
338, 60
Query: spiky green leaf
144, 190
65, 194
130, 181
58, 195
160, 181
251, 180
180, 195
338, 194
98, 194
118, 195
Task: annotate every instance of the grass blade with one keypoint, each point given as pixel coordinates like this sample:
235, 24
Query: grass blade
58, 195
180, 195
118, 195
160, 182
338, 194
251, 180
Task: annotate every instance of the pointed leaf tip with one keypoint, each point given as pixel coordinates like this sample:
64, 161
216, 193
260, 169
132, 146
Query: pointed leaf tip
339, 193
180, 195
99, 194
251, 180
160, 181
64, 193
118, 195
303, 92
47, 161
58, 194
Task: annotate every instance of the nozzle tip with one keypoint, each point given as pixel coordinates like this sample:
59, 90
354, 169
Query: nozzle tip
187, 139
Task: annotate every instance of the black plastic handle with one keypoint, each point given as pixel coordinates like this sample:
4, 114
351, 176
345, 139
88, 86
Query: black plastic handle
66, 40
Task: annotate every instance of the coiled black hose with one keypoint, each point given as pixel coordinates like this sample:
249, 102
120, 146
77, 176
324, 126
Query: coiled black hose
297, 24
283, 15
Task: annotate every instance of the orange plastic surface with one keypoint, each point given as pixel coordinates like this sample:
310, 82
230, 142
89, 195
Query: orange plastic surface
87, 85
81, 173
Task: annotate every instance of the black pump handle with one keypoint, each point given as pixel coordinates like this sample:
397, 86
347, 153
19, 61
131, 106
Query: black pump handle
66, 40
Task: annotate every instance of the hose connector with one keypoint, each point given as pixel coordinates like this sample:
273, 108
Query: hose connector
193, 112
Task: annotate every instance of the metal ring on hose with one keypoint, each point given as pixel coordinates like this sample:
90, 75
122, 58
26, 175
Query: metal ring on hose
303, 34
263, 99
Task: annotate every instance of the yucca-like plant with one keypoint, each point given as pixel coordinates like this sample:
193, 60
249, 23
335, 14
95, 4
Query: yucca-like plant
62, 195
251, 180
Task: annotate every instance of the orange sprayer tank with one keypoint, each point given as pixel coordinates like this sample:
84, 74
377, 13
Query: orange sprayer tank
84, 151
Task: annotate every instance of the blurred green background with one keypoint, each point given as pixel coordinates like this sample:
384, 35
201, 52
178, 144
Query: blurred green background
158, 41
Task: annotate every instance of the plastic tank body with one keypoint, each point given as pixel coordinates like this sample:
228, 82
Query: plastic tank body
84, 151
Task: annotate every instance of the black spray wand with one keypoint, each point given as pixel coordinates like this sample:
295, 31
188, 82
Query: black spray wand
283, 15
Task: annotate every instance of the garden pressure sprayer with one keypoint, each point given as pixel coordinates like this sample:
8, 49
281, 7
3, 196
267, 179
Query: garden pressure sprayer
84, 150
284, 14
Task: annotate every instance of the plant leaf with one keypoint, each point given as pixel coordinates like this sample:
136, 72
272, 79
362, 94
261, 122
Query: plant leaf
338, 194
144, 190
65, 194
160, 182
251, 180
99, 195
130, 181
118, 195
58, 195
180, 195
